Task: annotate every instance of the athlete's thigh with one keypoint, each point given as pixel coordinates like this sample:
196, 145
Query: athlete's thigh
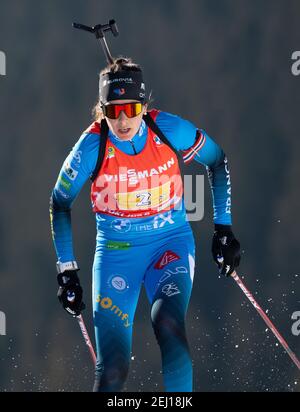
117, 279
170, 276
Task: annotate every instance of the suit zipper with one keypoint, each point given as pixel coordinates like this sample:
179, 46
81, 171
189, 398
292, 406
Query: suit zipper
133, 146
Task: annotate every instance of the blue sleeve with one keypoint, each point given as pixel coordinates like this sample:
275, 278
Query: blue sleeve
197, 145
76, 169
181, 133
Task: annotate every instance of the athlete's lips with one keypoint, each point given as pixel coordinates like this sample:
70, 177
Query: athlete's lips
124, 131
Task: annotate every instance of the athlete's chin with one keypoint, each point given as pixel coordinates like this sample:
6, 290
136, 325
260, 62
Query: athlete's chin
126, 134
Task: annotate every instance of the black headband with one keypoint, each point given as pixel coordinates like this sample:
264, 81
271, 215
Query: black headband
124, 85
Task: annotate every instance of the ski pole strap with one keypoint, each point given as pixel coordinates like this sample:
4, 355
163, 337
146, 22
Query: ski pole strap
266, 319
102, 146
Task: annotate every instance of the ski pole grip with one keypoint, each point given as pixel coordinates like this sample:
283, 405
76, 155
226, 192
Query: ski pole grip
83, 27
114, 28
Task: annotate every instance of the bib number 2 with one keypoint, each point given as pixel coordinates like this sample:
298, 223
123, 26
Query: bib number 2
143, 199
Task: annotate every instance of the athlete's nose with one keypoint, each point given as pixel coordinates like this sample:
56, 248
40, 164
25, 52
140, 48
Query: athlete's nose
122, 118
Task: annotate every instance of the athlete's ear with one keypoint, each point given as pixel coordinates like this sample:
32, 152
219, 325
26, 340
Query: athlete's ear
145, 108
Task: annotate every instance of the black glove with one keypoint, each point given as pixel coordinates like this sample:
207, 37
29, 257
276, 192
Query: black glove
70, 292
225, 250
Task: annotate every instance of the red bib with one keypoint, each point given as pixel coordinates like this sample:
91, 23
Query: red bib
138, 185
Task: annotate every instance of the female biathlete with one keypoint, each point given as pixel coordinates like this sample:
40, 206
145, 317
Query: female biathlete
143, 235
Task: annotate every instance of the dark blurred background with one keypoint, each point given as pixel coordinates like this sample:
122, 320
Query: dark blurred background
224, 65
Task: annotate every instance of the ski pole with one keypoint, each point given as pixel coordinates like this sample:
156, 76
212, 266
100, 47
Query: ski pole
86, 338
266, 319
99, 31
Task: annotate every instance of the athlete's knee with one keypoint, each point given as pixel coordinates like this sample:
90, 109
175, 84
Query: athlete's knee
167, 321
110, 377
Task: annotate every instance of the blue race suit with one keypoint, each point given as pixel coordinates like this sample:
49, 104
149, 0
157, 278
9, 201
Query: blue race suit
157, 251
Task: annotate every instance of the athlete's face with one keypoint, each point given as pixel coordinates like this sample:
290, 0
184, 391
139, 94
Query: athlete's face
124, 127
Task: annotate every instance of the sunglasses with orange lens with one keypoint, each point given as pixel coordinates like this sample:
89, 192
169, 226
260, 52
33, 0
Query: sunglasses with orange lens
112, 111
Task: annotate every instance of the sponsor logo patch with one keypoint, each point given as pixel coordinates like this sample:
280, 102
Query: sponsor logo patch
106, 303
119, 92
121, 225
166, 258
110, 152
171, 289
157, 140
119, 283
70, 172
77, 156
168, 273
63, 194
117, 245
65, 183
